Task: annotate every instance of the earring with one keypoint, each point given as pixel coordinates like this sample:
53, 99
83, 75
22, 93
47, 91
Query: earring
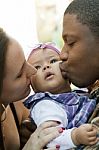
5, 114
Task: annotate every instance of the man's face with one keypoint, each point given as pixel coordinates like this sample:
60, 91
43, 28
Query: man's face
80, 53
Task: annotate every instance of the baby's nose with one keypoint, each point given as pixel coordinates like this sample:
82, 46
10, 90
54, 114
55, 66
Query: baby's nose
46, 67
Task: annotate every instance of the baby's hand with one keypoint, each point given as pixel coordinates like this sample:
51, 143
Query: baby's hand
85, 134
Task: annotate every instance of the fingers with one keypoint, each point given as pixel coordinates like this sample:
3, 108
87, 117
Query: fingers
45, 133
89, 127
93, 141
49, 124
93, 132
49, 130
51, 149
47, 127
57, 147
92, 135
48, 135
45, 139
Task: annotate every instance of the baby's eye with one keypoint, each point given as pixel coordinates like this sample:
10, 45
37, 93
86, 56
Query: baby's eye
54, 60
37, 67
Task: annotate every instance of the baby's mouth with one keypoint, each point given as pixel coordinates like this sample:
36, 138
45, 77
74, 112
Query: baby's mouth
48, 75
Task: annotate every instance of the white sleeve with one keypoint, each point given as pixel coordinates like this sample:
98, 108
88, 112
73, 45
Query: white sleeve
46, 110
64, 140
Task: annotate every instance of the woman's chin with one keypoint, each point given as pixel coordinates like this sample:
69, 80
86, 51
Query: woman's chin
27, 92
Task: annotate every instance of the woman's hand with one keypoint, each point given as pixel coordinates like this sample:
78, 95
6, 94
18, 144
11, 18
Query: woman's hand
42, 136
27, 128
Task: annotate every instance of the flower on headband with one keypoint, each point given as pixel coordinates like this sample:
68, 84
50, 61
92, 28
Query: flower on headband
49, 45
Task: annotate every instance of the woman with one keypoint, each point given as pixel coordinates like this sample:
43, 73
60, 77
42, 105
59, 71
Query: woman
15, 75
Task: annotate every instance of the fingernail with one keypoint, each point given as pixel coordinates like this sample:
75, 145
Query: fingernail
57, 147
58, 122
63, 128
60, 130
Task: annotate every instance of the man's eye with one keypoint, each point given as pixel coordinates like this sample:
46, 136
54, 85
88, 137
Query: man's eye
37, 67
53, 60
71, 44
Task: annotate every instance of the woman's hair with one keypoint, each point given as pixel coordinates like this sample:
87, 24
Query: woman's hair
4, 40
87, 12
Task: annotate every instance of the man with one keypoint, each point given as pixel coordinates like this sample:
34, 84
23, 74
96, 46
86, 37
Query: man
80, 53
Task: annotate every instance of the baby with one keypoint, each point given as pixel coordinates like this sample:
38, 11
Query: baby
54, 101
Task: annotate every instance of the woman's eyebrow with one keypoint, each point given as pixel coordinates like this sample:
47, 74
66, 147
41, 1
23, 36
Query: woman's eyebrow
20, 71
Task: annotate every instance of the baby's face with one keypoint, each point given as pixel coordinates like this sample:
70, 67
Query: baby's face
48, 76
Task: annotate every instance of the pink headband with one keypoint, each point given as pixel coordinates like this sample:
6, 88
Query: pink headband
48, 45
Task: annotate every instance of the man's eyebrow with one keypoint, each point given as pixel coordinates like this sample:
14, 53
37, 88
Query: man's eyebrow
64, 36
68, 34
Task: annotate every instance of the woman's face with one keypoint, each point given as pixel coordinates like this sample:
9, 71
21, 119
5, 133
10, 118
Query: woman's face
16, 83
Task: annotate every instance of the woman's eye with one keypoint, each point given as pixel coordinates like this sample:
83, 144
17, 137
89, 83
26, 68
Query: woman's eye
53, 60
19, 76
37, 67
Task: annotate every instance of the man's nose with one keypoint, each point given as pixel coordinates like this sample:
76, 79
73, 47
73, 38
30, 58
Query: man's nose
30, 70
64, 55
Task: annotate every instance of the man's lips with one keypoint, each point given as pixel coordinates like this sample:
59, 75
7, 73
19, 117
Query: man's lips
63, 70
62, 66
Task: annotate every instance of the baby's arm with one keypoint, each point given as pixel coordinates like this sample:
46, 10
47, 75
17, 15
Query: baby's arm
85, 134
64, 140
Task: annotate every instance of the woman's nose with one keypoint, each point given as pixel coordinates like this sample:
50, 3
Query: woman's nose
30, 70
